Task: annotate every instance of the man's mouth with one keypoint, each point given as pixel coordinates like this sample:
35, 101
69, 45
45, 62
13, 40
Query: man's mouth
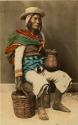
37, 25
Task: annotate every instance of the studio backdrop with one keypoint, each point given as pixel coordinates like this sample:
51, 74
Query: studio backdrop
60, 27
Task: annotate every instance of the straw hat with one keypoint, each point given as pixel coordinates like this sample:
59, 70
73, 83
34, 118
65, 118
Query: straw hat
31, 10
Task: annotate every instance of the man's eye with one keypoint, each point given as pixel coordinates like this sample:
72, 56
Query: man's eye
35, 18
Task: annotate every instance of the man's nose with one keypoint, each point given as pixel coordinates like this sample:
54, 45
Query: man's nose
37, 21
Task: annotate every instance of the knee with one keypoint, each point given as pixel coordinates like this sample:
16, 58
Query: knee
30, 75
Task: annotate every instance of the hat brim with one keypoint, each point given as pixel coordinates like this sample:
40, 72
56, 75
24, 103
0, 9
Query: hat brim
23, 16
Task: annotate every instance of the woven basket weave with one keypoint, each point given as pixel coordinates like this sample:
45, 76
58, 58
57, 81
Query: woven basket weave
24, 105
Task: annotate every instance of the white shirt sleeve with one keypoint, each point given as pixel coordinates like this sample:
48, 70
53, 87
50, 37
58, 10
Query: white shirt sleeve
19, 52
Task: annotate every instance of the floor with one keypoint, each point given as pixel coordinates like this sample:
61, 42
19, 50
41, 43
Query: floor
7, 116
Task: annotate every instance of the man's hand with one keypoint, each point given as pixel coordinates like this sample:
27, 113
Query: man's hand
19, 82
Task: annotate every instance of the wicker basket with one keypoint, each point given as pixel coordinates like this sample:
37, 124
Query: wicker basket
24, 105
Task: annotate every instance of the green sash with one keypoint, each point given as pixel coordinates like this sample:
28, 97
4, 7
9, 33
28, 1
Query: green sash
24, 40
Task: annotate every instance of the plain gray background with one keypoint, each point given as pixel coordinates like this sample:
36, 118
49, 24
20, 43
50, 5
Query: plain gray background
60, 27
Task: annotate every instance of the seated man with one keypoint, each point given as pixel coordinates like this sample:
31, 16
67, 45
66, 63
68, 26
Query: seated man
26, 52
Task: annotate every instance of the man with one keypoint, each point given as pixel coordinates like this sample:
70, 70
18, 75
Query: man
27, 51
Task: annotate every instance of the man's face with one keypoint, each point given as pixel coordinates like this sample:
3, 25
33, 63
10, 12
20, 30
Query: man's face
36, 21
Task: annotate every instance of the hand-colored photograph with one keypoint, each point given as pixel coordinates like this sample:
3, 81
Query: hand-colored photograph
39, 62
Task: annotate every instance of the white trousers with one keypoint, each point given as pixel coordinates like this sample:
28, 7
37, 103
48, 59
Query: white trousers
60, 78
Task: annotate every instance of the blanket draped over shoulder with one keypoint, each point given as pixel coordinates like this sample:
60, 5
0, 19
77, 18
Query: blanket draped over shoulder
20, 37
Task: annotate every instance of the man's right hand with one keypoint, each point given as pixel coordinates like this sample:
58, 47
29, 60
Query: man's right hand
19, 82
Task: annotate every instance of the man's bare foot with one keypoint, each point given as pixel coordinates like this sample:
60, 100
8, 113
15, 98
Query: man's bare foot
42, 114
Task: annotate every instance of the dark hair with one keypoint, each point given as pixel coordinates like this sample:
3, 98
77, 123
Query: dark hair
29, 25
